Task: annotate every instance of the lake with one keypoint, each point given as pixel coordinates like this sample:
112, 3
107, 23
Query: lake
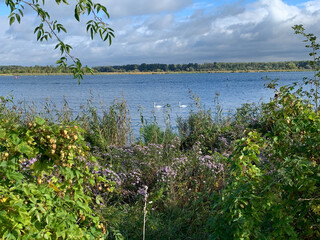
142, 91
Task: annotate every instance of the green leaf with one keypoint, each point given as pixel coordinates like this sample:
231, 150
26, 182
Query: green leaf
2, 133
76, 14
99, 199
88, 27
15, 139
38, 216
12, 19
18, 18
38, 35
110, 40
63, 29
89, 8
14, 176
91, 33
24, 148
40, 121
21, 12
111, 32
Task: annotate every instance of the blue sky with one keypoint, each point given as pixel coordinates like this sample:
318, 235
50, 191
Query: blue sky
170, 31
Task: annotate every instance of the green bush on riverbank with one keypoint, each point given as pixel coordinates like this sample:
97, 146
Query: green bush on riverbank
251, 176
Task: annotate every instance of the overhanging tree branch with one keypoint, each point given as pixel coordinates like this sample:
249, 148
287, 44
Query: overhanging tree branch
94, 26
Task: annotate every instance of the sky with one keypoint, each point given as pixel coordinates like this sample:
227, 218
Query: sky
169, 31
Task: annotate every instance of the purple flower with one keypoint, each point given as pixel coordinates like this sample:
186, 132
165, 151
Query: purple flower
111, 176
166, 173
28, 163
143, 191
210, 163
224, 141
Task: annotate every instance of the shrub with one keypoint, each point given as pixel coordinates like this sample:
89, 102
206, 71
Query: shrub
46, 181
273, 189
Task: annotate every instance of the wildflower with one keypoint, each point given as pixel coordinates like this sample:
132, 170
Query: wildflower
210, 163
166, 173
27, 164
224, 141
111, 176
143, 191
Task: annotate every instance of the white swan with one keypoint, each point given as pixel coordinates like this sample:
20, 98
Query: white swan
182, 106
156, 106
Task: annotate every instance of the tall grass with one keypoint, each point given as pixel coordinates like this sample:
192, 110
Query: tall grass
107, 126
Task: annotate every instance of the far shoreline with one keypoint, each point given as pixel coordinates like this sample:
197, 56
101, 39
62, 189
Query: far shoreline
150, 73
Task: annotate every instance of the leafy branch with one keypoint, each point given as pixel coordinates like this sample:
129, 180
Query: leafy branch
94, 26
311, 41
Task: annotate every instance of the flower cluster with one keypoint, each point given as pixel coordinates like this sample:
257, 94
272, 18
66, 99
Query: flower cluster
211, 164
111, 175
143, 191
166, 174
159, 165
27, 164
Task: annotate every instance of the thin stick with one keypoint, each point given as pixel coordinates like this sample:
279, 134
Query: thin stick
145, 213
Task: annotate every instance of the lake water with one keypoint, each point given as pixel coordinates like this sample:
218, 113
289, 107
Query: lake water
141, 91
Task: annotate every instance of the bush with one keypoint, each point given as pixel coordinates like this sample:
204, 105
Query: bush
274, 184
46, 181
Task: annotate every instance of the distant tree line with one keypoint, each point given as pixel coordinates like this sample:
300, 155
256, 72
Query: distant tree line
208, 67
13, 69
158, 67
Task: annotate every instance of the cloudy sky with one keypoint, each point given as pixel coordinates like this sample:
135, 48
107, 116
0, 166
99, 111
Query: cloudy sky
170, 31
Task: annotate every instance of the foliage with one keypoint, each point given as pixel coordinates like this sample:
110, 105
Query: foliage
109, 126
51, 28
176, 180
214, 132
260, 182
311, 40
273, 189
47, 181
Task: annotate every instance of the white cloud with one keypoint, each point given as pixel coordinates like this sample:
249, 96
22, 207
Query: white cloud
153, 31
123, 8
312, 7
